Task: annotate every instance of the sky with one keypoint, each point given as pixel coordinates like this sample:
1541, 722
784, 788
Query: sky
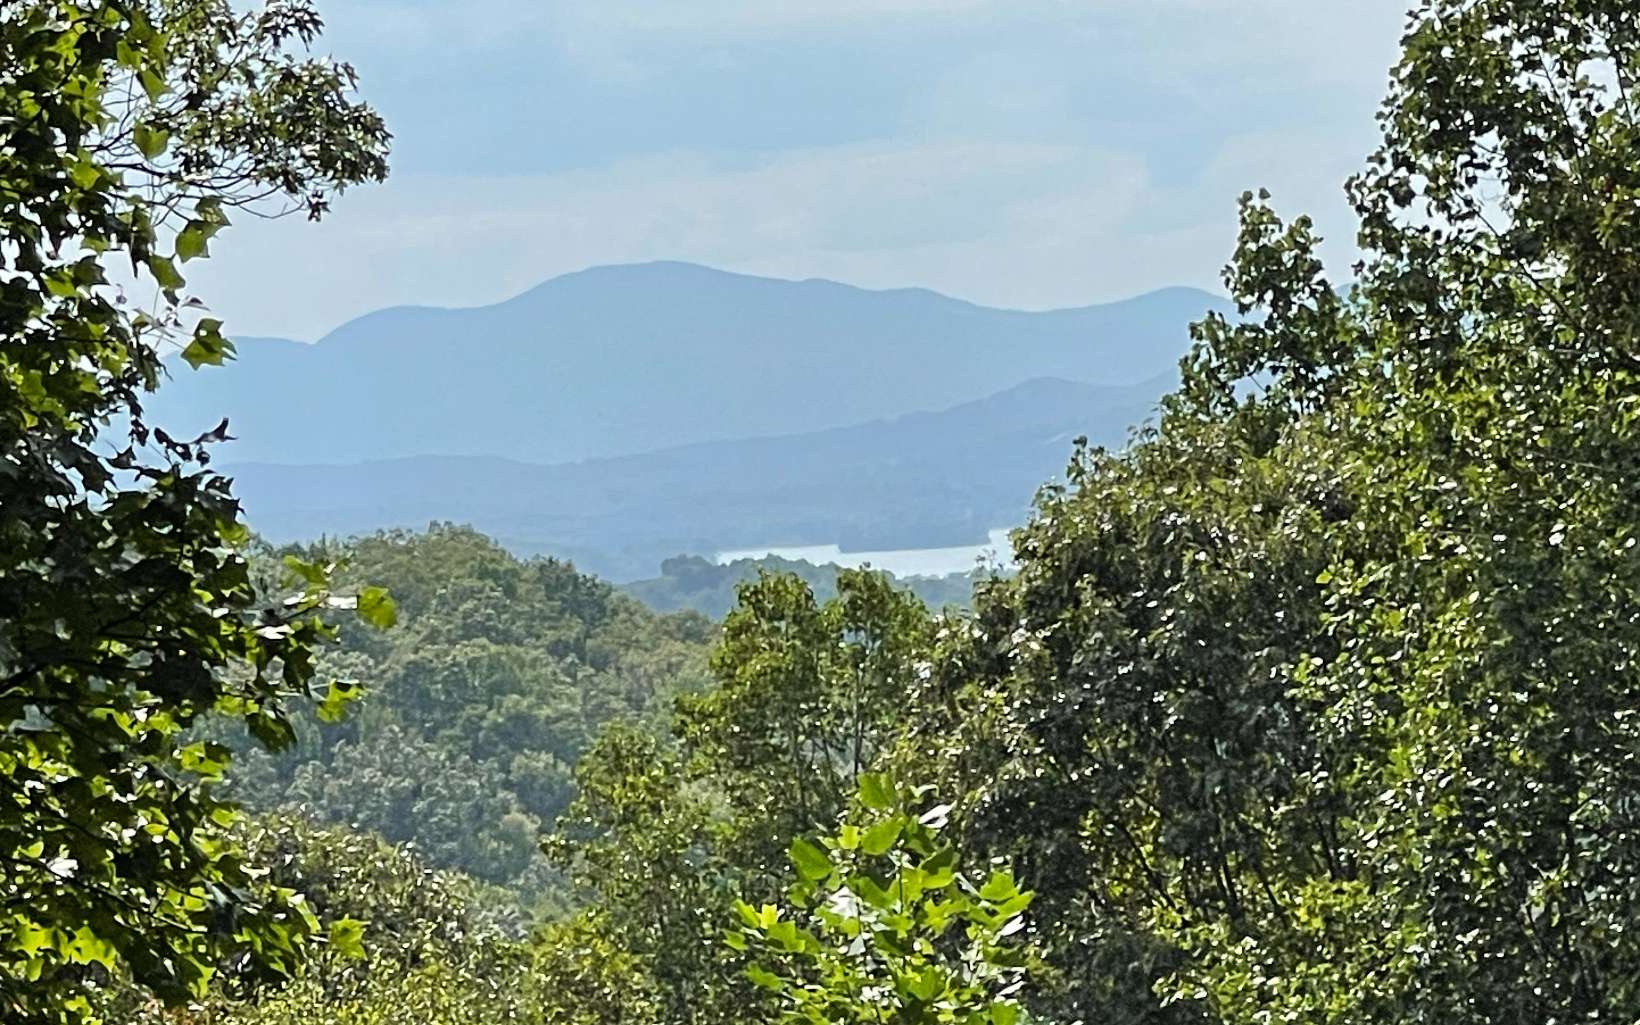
1021, 153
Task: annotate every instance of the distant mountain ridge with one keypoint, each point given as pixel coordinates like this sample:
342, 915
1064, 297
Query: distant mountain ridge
918, 480
626, 359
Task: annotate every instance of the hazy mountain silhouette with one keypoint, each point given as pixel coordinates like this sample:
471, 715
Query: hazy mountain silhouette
921, 480
626, 359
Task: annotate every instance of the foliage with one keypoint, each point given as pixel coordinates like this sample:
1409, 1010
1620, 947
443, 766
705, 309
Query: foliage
872, 934
1317, 706
497, 677
408, 944
637, 846
585, 977
667, 831
807, 694
126, 610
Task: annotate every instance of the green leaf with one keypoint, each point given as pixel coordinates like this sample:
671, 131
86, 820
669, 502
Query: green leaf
811, 862
784, 933
152, 84
165, 272
1013, 905
334, 707
208, 346
151, 141
89, 271
928, 984
879, 838
848, 837
194, 240
86, 947
210, 211
764, 979
347, 937
204, 759
940, 868
273, 732
84, 172
999, 887
311, 573
877, 791
30, 937
867, 890
376, 608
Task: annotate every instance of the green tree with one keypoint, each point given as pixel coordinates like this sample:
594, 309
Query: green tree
667, 830
585, 977
637, 845
133, 128
1317, 706
807, 695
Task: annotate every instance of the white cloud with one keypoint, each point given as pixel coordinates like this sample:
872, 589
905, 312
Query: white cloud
1045, 152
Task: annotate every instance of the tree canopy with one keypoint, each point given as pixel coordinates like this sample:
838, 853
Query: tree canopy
1317, 704
133, 130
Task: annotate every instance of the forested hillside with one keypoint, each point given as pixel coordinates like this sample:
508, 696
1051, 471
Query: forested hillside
496, 677
407, 943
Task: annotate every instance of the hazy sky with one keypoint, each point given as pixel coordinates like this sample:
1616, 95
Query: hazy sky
1028, 153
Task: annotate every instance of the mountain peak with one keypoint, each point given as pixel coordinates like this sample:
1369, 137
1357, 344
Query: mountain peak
628, 358
683, 283
674, 273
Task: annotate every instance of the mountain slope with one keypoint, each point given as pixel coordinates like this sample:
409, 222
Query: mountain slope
921, 480
627, 359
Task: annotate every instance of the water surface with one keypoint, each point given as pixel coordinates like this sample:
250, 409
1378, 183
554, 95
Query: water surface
903, 562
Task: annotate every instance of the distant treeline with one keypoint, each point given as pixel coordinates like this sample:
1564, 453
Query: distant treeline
693, 583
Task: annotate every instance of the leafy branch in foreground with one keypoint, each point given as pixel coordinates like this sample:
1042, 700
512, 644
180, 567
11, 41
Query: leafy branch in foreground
127, 612
884, 928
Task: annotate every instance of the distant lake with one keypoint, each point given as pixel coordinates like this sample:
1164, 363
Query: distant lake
905, 562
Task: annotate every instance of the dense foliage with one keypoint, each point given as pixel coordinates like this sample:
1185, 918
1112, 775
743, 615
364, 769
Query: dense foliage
411, 944
669, 830
1318, 706
498, 675
132, 130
